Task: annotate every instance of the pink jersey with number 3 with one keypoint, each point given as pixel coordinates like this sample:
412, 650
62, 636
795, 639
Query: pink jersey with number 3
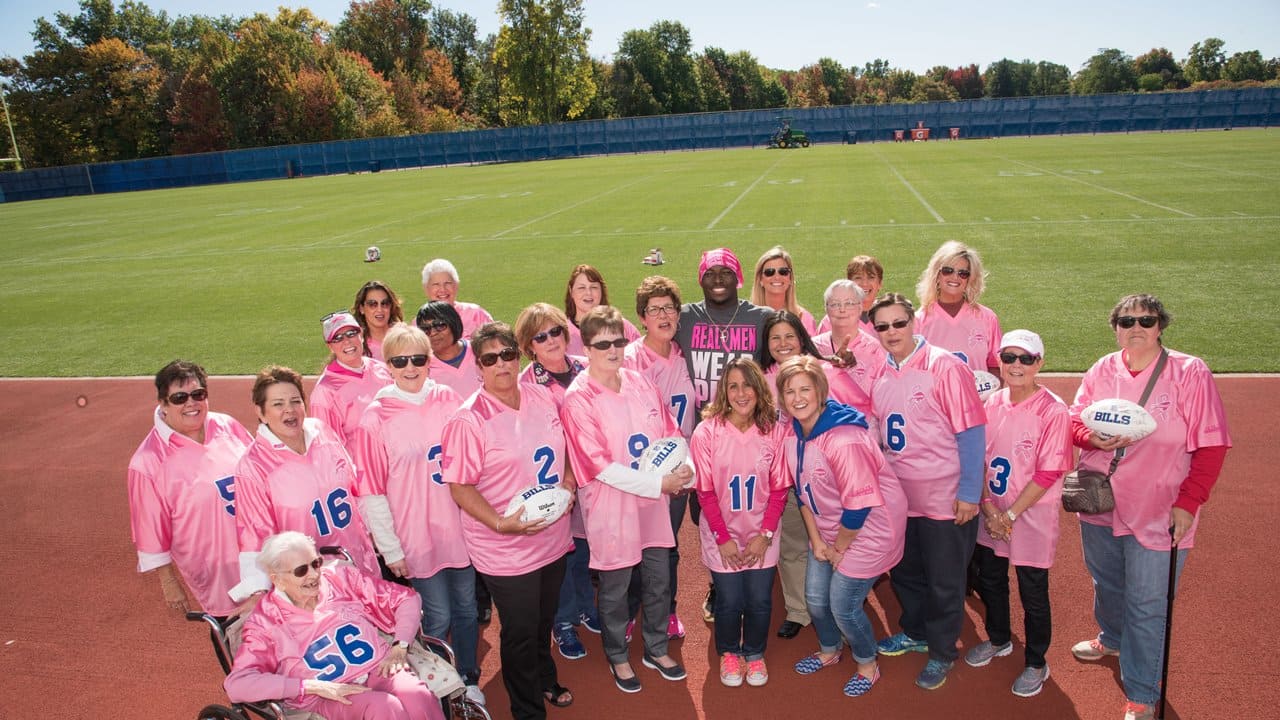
1023, 439
606, 427
670, 374
397, 449
341, 395
743, 469
920, 407
502, 451
181, 507
973, 334
277, 489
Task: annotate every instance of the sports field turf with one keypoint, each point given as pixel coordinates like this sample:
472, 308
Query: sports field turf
238, 276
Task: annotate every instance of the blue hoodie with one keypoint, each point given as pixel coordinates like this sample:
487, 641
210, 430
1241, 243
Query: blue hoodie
834, 415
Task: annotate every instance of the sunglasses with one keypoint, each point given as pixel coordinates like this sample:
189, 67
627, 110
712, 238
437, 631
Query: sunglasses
948, 270
1011, 358
343, 336
606, 344
770, 272
302, 570
542, 337
180, 398
400, 362
656, 310
371, 303
1128, 321
434, 327
896, 324
507, 355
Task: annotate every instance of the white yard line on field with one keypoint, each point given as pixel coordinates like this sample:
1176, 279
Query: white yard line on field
1095, 186
732, 205
910, 187
571, 206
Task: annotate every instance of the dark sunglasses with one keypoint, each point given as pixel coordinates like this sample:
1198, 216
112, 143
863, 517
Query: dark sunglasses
371, 303
345, 336
606, 344
399, 362
770, 272
948, 270
896, 324
1011, 358
542, 337
301, 570
180, 398
434, 327
1128, 321
507, 355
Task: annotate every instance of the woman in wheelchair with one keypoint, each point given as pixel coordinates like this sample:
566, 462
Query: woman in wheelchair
313, 640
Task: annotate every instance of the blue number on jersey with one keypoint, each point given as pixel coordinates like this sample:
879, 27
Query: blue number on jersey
351, 651
813, 507
334, 514
227, 491
964, 358
636, 444
742, 495
546, 456
433, 455
679, 403
895, 432
999, 482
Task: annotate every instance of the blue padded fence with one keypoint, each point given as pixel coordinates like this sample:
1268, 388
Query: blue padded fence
1060, 115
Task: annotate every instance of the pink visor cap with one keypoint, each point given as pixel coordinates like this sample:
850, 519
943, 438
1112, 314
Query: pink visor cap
337, 322
720, 256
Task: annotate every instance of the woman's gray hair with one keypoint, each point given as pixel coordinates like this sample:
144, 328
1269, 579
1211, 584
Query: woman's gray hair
843, 284
439, 265
279, 545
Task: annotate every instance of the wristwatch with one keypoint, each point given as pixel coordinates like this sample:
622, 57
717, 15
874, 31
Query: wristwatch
768, 535
400, 644
1011, 515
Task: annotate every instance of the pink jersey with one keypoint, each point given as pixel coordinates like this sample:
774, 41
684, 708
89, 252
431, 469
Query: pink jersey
973, 335
473, 316
502, 451
920, 407
852, 386
397, 449
670, 375
375, 348
606, 427
535, 374
181, 507
341, 395
464, 379
277, 489
1023, 439
338, 641
742, 469
576, 347
844, 470
1189, 415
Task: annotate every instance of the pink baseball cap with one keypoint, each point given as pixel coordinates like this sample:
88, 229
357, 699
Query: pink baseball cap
337, 322
720, 256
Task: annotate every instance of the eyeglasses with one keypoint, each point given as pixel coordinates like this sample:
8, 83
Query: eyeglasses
843, 304
371, 303
1010, 358
434, 327
507, 355
770, 272
896, 325
400, 362
542, 337
302, 570
344, 336
948, 270
656, 310
606, 344
1146, 321
180, 398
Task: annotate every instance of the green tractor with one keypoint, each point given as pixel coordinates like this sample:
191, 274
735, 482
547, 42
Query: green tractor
788, 137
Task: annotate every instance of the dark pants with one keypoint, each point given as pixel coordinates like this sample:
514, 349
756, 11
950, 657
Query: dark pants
655, 600
483, 597
930, 582
1033, 589
677, 507
526, 609
744, 603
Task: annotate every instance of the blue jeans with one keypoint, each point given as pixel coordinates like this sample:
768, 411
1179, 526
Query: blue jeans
835, 607
1130, 596
576, 594
449, 612
744, 602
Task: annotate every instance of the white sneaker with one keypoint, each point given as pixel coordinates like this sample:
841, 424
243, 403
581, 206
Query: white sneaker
475, 694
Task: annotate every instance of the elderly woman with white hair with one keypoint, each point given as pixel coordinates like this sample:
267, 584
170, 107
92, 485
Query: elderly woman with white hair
848, 339
313, 641
440, 282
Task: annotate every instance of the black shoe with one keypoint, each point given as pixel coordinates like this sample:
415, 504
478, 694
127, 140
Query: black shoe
675, 672
790, 629
484, 615
626, 685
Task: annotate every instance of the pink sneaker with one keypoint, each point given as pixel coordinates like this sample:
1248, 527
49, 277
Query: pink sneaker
730, 670
675, 628
631, 626
757, 673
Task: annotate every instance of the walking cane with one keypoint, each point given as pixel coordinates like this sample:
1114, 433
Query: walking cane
1168, 623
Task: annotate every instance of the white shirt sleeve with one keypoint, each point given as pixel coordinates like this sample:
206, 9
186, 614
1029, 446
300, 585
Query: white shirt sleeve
637, 482
252, 578
377, 517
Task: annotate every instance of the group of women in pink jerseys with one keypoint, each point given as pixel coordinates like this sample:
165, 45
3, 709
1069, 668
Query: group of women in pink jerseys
841, 451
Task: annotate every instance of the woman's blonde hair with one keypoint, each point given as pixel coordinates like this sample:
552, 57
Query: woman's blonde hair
951, 250
757, 291
802, 365
401, 337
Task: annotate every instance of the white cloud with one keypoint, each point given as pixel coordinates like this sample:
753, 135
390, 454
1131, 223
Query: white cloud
873, 5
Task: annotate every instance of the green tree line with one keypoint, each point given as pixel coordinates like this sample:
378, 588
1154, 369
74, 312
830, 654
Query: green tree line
116, 82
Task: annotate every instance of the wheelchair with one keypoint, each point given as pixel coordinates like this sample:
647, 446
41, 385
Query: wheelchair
225, 636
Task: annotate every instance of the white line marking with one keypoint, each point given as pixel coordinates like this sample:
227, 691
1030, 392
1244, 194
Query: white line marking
577, 232
1084, 217
892, 221
732, 205
664, 227
986, 218
571, 206
750, 225
1135, 216
903, 180
797, 223
1104, 189
844, 222
1241, 214
1035, 217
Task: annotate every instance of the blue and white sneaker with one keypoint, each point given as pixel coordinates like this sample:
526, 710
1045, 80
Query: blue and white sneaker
900, 644
590, 622
567, 642
934, 674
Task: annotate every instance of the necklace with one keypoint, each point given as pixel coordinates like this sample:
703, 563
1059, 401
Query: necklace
724, 329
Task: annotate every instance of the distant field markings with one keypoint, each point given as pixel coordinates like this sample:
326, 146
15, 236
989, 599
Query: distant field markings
711, 225
1103, 188
909, 186
571, 206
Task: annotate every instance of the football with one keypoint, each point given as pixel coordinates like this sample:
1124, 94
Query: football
664, 455
987, 383
540, 502
1118, 417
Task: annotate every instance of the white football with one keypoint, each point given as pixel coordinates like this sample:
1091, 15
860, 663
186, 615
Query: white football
664, 455
1118, 417
540, 502
987, 383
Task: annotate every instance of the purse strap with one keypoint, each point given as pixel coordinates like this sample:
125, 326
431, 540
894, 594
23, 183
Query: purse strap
1146, 393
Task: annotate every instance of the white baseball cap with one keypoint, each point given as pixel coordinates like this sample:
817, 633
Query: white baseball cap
1024, 339
336, 322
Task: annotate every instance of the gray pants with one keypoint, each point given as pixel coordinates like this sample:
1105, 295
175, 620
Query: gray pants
655, 604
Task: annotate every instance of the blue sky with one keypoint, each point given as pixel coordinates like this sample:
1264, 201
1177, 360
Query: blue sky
789, 34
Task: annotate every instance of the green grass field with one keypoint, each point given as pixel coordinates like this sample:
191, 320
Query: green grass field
238, 276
